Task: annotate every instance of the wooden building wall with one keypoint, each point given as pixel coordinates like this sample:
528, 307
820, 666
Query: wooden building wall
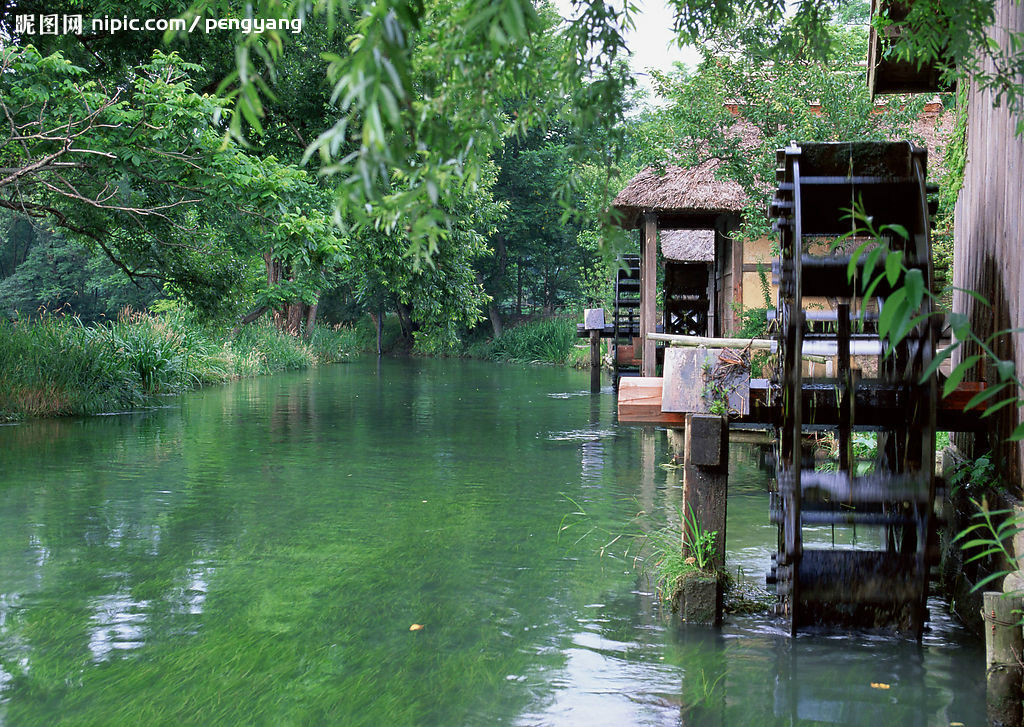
989, 230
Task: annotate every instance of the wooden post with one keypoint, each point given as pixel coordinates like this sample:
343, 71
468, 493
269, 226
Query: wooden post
705, 485
1003, 643
595, 360
737, 284
711, 300
648, 292
593, 321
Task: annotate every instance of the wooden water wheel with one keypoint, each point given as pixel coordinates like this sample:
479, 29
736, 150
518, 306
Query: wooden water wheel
821, 311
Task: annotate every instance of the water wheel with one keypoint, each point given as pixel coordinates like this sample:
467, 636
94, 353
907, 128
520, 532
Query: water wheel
880, 579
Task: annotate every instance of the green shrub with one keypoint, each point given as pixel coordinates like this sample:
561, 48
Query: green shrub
150, 348
753, 322
337, 343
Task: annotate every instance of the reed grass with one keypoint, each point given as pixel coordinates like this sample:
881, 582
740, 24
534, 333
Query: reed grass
550, 340
55, 366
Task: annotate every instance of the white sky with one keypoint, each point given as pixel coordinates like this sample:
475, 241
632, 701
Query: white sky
651, 42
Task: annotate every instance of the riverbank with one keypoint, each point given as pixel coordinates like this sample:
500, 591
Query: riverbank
56, 366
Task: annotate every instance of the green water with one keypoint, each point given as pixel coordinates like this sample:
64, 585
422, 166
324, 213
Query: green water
257, 553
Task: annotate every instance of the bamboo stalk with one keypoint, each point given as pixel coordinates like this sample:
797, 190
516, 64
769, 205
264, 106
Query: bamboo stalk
759, 344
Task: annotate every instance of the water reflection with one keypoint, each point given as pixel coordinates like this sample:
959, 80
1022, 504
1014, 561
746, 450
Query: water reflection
118, 622
258, 552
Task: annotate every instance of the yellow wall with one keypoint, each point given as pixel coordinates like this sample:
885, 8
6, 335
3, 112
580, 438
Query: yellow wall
760, 251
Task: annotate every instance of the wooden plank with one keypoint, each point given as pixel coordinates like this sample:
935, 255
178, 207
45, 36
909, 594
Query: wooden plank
683, 389
640, 402
737, 283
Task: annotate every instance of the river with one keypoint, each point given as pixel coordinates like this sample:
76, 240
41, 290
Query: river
263, 553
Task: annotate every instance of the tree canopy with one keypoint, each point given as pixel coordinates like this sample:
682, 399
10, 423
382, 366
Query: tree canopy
425, 155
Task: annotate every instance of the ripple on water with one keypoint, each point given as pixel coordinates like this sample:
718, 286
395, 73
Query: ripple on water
578, 435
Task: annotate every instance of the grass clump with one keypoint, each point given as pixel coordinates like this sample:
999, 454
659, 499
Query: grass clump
55, 366
260, 348
544, 341
680, 552
58, 367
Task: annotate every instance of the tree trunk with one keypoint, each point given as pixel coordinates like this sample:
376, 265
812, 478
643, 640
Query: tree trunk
495, 315
249, 318
405, 319
273, 278
310, 321
519, 288
492, 308
378, 326
295, 312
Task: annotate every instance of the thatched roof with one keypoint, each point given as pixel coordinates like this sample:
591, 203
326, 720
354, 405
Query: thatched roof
688, 246
700, 194
680, 191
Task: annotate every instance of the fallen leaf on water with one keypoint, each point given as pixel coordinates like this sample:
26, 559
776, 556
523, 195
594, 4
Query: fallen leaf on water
416, 627
879, 685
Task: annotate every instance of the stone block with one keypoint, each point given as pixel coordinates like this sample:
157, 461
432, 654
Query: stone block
699, 601
593, 319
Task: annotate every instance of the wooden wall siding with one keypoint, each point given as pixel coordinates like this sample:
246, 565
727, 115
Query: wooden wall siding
989, 230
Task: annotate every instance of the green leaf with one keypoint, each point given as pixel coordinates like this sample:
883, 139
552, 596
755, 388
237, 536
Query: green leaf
899, 230
893, 266
851, 267
914, 283
984, 395
895, 306
936, 362
960, 325
958, 373
869, 264
987, 579
1006, 369
1018, 433
973, 294
1001, 405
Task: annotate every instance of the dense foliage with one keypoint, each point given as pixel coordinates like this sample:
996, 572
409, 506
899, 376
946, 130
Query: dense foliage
434, 160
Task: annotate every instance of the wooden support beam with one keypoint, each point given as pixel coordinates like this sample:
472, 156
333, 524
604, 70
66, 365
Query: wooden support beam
705, 486
737, 284
640, 402
706, 477
649, 291
1003, 657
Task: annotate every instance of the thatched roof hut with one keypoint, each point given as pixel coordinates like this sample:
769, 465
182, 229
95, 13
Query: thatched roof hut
695, 193
694, 197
